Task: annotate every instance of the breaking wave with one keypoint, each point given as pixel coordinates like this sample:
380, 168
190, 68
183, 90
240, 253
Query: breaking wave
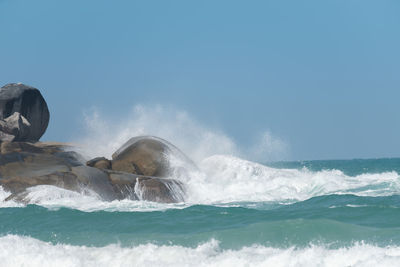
222, 176
225, 179
26, 251
231, 181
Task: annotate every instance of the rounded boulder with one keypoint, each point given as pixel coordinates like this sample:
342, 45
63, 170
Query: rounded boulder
29, 102
147, 155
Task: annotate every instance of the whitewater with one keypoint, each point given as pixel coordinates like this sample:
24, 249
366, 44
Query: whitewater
238, 211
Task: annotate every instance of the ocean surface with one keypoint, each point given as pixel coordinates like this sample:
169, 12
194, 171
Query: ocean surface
237, 213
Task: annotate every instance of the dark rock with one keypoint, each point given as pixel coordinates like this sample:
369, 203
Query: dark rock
95, 180
100, 163
30, 104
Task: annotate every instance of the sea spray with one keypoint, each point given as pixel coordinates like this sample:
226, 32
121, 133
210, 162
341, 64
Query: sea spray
103, 135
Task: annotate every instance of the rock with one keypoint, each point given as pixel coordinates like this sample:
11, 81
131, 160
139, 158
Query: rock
147, 155
160, 190
138, 187
100, 163
30, 104
4, 137
21, 170
141, 156
17, 126
9, 147
17, 184
25, 165
124, 184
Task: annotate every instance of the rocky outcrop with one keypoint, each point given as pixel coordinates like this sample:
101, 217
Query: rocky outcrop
24, 106
24, 165
138, 170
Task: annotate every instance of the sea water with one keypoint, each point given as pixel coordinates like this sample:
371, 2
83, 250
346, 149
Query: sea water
236, 213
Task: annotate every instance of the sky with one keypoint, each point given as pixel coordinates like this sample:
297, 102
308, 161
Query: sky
318, 78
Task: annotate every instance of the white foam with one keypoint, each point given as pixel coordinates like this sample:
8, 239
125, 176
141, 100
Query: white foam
225, 179
53, 197
222, 178
26, 251
7, 204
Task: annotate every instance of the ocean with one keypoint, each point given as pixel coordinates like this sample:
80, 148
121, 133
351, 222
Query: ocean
236, 213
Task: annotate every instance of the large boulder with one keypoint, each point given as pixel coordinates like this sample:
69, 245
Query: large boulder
29, 105
149, 156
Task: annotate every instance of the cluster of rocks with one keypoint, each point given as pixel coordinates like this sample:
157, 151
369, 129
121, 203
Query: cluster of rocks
137, 170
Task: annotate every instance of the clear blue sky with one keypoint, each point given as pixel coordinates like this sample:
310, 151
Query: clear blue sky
324, 76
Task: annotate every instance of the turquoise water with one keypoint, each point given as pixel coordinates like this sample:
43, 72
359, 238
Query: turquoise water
351, 205
350, 167
336, 220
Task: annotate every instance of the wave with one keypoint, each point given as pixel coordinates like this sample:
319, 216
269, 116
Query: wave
299, 224
20, 251
53, 197
221, 179
228, 180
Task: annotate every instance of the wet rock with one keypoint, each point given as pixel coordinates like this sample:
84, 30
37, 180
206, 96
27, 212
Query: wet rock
25, 165
138, 187
147, 155
17, 184
143, 157
95, 180
123, 183
30, 104
160, 190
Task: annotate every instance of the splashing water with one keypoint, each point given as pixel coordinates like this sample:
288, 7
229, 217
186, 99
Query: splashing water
221, 177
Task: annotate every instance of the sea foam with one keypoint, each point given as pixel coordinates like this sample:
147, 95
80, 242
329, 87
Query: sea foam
227, 180
27, 251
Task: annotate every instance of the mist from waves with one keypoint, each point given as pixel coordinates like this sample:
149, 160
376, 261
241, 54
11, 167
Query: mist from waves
104, 135
224, 175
